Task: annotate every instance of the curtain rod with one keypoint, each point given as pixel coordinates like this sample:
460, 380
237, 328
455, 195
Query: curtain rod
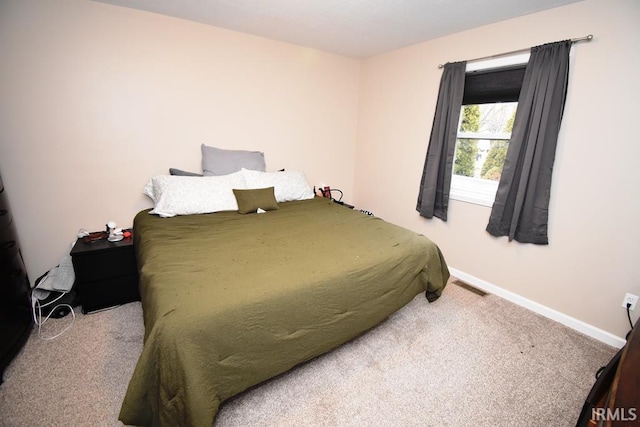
576, 40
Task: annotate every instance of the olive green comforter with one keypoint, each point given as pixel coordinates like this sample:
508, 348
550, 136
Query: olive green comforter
231, 300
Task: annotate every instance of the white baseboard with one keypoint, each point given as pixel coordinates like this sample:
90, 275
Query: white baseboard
543, 310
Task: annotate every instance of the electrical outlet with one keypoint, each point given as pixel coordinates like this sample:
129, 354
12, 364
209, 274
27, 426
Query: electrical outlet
630, 299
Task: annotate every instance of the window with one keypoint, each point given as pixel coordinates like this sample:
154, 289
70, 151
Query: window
486, 119
481, 147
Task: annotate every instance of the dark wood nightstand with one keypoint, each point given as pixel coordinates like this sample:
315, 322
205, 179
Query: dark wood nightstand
106, 273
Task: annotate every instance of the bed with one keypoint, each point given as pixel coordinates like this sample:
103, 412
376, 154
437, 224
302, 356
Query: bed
231, 300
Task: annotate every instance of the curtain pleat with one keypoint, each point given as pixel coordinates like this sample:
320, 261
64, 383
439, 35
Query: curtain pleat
521, 206
433, 196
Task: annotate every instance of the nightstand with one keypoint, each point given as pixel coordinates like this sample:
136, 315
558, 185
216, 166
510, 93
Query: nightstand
106, 273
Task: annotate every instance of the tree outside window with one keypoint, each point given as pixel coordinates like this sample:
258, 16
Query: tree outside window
467, 149
481, 148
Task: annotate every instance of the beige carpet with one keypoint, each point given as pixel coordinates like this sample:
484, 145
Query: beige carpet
461, 361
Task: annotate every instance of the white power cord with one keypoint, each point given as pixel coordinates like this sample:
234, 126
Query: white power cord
37, 318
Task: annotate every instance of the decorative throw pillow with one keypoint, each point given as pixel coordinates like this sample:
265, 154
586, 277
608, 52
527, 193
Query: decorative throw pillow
216, 161
249, 201
180, 172
188, 195
288, 186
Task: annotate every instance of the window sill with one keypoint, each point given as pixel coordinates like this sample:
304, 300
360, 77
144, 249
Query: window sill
473, 190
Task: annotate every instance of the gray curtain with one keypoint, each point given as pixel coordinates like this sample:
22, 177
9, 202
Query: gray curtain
521, 206
433, 196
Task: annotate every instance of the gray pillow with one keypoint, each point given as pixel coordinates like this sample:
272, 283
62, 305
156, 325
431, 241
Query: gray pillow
180, 172
216, 161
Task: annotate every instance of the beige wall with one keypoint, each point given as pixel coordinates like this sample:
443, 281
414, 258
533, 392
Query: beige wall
95, 99
594, 251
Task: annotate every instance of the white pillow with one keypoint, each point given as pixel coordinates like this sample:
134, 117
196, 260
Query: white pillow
287, 185
188, 195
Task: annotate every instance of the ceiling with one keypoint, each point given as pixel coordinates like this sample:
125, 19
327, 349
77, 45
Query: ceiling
355, 28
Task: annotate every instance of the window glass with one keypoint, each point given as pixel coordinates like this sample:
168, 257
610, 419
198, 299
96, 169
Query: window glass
481, 147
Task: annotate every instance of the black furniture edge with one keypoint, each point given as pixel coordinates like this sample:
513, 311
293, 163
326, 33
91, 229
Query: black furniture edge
16, 321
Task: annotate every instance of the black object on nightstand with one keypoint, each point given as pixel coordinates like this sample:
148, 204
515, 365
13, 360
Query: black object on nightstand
346, 205
106, 273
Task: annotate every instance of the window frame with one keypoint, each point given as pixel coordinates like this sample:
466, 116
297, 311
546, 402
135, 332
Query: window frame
475, 190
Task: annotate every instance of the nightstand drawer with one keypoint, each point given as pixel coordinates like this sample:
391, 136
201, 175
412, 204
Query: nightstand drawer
5, 214
14, 284
108, 292
102, 265
8, 243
